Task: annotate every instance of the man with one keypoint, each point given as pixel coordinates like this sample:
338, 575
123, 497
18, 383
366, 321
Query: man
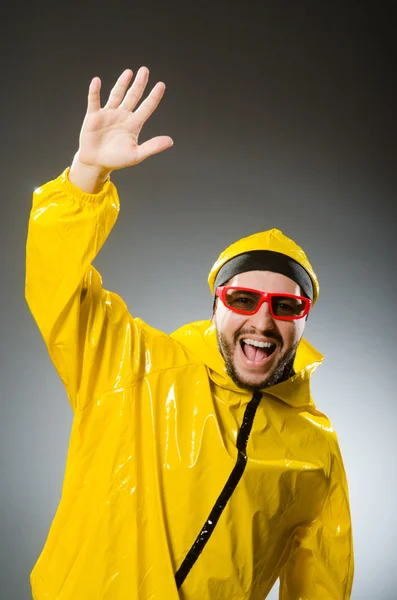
198, 467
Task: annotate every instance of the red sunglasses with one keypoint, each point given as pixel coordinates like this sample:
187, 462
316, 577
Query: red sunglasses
245, 301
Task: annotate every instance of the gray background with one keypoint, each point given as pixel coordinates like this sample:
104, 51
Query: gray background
282, 114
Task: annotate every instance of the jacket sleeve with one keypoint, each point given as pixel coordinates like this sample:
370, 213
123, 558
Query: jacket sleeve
321, 563
87, 330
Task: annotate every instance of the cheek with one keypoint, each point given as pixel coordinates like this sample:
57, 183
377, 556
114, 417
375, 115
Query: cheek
227, 323
291, 333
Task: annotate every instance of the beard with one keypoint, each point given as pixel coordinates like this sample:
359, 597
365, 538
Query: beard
283, 370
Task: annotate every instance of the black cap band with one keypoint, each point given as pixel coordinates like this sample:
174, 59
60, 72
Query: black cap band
266, 260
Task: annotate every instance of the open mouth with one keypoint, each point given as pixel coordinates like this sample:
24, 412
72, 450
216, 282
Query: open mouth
257, 352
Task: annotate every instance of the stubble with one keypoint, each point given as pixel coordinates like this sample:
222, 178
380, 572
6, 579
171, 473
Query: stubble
283, 370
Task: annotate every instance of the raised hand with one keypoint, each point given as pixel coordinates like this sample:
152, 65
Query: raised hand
109, 135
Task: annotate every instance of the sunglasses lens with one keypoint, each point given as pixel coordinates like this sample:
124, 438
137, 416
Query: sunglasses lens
283, 306
242, 300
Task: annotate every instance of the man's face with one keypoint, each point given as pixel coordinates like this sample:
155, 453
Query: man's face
251, 367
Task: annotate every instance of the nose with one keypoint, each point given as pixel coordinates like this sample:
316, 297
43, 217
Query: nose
262, 319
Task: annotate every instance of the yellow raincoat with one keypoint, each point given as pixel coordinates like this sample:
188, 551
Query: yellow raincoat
161, 491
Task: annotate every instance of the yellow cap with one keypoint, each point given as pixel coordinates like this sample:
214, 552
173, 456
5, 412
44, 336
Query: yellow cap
273, 240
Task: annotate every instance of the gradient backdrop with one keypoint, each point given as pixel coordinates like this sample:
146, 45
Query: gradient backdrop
283, 115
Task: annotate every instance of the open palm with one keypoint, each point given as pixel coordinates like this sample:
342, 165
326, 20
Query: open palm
109, 135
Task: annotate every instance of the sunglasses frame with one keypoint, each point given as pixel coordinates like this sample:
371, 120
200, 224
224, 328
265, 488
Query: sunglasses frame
222, 290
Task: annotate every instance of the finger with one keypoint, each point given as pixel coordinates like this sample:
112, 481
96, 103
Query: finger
118, 91
94, 100
135, 92
154, 146
149, 105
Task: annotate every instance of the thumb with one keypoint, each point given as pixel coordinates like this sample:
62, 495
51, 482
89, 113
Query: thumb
153, 146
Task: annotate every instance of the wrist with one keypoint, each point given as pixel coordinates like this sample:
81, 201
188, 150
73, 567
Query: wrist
88, 178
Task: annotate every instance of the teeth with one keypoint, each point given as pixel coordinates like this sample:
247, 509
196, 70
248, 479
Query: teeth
257, 344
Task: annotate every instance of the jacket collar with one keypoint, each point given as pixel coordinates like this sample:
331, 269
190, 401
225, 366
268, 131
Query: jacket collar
201, 340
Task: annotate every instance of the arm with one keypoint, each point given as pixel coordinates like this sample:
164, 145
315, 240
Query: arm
321, 562
87, 329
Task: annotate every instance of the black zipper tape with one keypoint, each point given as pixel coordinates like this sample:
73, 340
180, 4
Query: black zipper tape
224, 496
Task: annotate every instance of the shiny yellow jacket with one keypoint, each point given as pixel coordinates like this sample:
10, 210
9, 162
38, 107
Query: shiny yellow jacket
178, 484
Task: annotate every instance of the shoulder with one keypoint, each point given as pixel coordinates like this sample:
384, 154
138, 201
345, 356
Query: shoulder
322, 435
162, 351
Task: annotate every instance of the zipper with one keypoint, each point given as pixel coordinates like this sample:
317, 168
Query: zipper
226, 493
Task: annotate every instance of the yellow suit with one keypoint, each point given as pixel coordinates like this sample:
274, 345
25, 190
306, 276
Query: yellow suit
157, 476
